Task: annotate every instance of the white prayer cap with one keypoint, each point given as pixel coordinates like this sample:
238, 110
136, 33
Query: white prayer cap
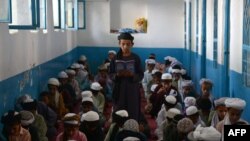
189, 101
86, 94
220, 101
90, 116
154, 71
172, 112
235, 103
152, 89
173, 92
70, 71
166, 76
27, 99
53, 81
82, 66
62, 74
204, 134
170, 99
85, 99
112, 52
131, 125
27, 118
75, 66
191, 110
150, 61
187, 83
82, 58
122, 113
96, 86
71, 118
131, 139
205, 80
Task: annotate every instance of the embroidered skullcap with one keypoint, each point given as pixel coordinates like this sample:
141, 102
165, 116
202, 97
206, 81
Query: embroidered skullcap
70, 71
131, 139
86, 94
90, 116
11, 117
53, 81
220, 101
177, 118
166, 76
191, 110
235, 103
204, 134
153, 87
187, 83
189, 101
207, 81
87, 99
62, 74
185, 125
131, 125
150, 61
82, 58
125, 36
71, 118
75, 66
112, 52
172, 112
27, 118
96, 86
122, 113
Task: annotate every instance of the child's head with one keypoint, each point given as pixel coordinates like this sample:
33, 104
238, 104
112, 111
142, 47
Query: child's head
150, 64
192, 113
103, 70
166, 80
63, 77
111, 54
187, 86
156, 76
220, 107
53, 85
169, 102
95, 88
27, 118
87, 104
119, 117
82, 59
171, 113
71, 124
206, 87
91, 120
126, 42
44, 96
71, 73
235, 108
30, 104
176, 72
12, 122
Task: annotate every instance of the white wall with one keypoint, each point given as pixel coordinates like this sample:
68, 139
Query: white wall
21, 50
165, 25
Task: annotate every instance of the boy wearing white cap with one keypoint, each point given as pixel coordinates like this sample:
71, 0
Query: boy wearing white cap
235, 107
84, 61
91, 126
193, 114
71, 129
73, 82
111, 56
98, 97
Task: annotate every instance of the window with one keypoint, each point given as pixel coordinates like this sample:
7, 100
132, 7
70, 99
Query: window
5, 12
43, 14
70, 10
19, 8
56, 13
215, 45
246, 44
197, 27
81, 14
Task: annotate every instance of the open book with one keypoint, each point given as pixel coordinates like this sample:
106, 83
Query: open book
125, 65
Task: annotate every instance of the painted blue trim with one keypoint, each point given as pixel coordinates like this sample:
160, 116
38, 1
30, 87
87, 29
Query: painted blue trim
204, 36
227, 47
8, 20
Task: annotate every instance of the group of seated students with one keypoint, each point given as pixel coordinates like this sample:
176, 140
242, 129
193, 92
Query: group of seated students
72, 107
181, 113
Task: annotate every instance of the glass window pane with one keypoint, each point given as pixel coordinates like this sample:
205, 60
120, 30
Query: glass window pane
4, 10
69, 13
43, 13
19, 9
81, 17
56, 10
